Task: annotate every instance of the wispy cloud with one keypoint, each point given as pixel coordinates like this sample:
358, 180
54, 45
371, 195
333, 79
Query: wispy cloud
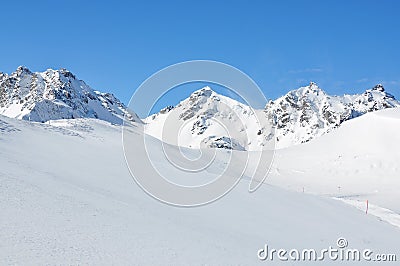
301, 81
378, 81
363, 80
392, 82
306, 70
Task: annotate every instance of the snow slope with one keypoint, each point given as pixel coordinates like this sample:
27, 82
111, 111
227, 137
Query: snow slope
359, 161
66, 197
57, 94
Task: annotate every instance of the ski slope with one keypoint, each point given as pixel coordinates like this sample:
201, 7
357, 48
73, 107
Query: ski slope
67, 197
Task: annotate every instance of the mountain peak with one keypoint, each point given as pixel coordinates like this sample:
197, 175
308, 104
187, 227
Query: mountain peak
206, 88
22, 69
312, 90
314, 87
67, 73
378, 93
378, 87
205, 91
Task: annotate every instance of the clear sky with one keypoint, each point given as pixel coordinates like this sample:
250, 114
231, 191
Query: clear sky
344, 46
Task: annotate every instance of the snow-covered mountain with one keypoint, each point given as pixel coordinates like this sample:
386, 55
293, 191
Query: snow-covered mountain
207, 119
299, 116
56, 94
309, 112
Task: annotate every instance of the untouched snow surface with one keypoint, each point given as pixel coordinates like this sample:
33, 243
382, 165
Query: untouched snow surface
66, 197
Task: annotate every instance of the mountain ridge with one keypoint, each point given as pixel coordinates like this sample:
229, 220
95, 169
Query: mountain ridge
309, 112
207, 118
298, 116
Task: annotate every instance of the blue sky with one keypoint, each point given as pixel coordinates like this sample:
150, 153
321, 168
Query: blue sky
344, 46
